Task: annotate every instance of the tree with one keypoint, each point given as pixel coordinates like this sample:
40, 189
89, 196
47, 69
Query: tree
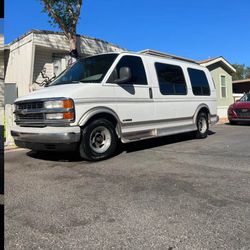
242, 72
65, 15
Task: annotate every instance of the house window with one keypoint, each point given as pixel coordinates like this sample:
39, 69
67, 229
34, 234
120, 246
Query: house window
59, 62
223, 86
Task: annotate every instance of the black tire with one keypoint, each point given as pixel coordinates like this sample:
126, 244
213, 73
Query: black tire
232, 122
98, 140
202, 125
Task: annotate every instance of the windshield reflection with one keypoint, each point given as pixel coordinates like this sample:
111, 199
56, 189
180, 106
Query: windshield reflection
86, 70
245, 98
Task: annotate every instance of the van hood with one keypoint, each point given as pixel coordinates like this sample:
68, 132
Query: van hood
66, 90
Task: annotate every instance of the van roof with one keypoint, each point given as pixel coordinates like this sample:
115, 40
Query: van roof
154, 53
165, 55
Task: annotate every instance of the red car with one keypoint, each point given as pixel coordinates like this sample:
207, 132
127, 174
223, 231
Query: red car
240, 110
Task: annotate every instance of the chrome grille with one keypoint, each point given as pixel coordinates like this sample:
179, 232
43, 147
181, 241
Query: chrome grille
29, 105
38, 116
243, 113
32, 113
29, 113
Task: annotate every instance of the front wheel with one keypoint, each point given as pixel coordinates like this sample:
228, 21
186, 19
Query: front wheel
98, 140
202, 125
232, 122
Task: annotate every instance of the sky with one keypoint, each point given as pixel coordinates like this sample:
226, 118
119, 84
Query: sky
193, 29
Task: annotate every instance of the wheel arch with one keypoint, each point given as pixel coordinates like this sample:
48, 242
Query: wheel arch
202, 108
101, 112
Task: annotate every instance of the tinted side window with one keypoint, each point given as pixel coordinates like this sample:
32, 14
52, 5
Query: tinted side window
171, 79
137, 69
199, 82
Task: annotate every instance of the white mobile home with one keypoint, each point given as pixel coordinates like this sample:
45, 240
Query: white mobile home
37, 50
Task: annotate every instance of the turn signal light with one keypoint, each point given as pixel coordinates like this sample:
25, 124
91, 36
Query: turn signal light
68, 116
68, 104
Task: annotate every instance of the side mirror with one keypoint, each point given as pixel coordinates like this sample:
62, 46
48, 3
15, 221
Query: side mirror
125, 75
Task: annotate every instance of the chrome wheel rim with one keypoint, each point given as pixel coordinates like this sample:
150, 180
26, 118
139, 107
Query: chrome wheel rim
100, 139
202, 125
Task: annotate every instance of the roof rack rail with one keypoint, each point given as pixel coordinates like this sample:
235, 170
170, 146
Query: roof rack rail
161, 54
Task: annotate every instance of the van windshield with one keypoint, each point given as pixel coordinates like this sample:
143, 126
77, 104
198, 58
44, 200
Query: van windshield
87, 70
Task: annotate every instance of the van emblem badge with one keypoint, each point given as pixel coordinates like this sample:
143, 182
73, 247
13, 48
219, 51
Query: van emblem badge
24, 111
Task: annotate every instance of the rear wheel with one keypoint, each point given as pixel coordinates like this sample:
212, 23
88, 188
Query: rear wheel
99, 140
202, 125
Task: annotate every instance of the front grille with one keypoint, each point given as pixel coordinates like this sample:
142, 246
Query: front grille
33, 113
38, 116
243, 113
29, 113
29, 105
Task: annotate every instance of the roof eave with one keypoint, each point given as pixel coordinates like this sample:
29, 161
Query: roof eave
230, 68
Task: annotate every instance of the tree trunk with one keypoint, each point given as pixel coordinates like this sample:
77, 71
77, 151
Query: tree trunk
72, 47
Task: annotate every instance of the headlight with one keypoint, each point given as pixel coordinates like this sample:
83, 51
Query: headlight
54, 104
60, 116
59, 110
54, 116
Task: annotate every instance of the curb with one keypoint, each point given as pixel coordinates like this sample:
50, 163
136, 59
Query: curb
10, 147
13, 150
223, 121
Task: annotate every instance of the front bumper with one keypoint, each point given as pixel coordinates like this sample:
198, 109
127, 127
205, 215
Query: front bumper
214, 119
236, 119
47, 138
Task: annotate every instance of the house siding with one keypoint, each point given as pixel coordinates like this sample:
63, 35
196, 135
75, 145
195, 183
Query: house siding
222, 103
43, 59
19, 67
86, 46
29, 54
51, 41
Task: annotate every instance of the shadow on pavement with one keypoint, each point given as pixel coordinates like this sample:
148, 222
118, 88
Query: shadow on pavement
128, 148
161, 141
55, 156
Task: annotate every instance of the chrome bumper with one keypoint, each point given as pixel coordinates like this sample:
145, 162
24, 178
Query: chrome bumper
48, 138
214, 119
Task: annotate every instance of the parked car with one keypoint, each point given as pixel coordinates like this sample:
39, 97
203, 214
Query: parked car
116, 96
240, 110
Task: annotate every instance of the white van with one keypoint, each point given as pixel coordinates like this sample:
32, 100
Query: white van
125, 96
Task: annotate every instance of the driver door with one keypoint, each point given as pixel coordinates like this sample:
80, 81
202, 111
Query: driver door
134, 100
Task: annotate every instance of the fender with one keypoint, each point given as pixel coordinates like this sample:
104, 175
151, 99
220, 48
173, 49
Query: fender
100, 110
203, 105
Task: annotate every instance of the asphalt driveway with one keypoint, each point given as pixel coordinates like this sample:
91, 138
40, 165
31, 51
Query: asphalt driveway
169, 193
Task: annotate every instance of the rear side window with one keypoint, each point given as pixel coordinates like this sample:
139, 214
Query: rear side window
199, 82
137, 69
171, 79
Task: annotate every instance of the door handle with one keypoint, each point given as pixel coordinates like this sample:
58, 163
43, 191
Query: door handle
150, 93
